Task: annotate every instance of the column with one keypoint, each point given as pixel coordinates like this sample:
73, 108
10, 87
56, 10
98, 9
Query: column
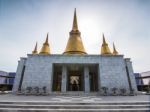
86, 79
99, 77
64, 79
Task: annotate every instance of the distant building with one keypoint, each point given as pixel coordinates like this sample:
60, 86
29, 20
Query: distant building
7, 79
3, 75
11, 77
142, 80
146, 77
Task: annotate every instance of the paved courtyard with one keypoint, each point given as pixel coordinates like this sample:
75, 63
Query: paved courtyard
90, 99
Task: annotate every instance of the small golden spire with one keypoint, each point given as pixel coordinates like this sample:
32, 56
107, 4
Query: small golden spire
45, 49
75, 25
75, 44
35, 50
46, 39
104, 41
115, 52
105, 49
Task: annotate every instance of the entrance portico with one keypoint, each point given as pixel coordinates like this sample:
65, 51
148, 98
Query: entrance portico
75, 77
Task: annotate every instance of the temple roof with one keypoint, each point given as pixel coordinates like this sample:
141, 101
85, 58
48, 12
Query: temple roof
75, 44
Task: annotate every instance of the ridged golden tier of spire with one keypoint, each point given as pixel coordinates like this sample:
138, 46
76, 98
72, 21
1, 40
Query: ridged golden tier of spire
75, 45
115, 52
35, 50
45, 48
105, 49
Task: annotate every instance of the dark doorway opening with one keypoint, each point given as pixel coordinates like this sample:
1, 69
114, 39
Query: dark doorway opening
57, 76
75, 78
93, 69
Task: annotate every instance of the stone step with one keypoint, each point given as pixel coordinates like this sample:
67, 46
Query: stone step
74, 103
74, 106
73, 110
34, 106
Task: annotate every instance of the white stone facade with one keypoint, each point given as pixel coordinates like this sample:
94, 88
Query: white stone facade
113, 71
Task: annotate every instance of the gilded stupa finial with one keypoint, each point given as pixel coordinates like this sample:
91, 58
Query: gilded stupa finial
46, 42
104, 41
75, 24
115, 52
45, 48
35, 49
105, 49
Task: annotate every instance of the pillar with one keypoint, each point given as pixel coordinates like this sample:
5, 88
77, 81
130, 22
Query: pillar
99, 78
86, 79
64, 79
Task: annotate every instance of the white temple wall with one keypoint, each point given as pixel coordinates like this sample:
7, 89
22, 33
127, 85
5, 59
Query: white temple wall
38, 73
39, 70
113, 73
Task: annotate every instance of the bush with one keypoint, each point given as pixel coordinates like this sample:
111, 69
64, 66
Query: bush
44, 89
28, 90
114, 91
37, 89
123, 91
105, 90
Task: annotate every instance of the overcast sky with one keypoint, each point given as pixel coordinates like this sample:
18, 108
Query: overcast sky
125, 22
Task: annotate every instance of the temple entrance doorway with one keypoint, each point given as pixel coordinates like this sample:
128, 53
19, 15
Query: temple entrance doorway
75, 78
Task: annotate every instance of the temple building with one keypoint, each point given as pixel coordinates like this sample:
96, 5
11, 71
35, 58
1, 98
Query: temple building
75, 69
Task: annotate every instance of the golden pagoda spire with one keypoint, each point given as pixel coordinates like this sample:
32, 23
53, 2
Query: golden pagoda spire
104, 41
115, 52
75, 45
35, 50
105, 49
75, 24
46, 39
45, 49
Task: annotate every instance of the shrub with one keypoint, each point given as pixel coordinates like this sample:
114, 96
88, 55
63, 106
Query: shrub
105, 90
123, 91
28, 90
114, 91
44, 89
37, 90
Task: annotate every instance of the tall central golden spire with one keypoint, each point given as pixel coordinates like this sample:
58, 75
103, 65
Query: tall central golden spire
75, 45
75, 25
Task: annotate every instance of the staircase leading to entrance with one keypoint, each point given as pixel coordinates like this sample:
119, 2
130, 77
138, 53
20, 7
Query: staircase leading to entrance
74, 103
33, 106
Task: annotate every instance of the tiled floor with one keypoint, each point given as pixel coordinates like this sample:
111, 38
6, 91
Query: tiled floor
55, 98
